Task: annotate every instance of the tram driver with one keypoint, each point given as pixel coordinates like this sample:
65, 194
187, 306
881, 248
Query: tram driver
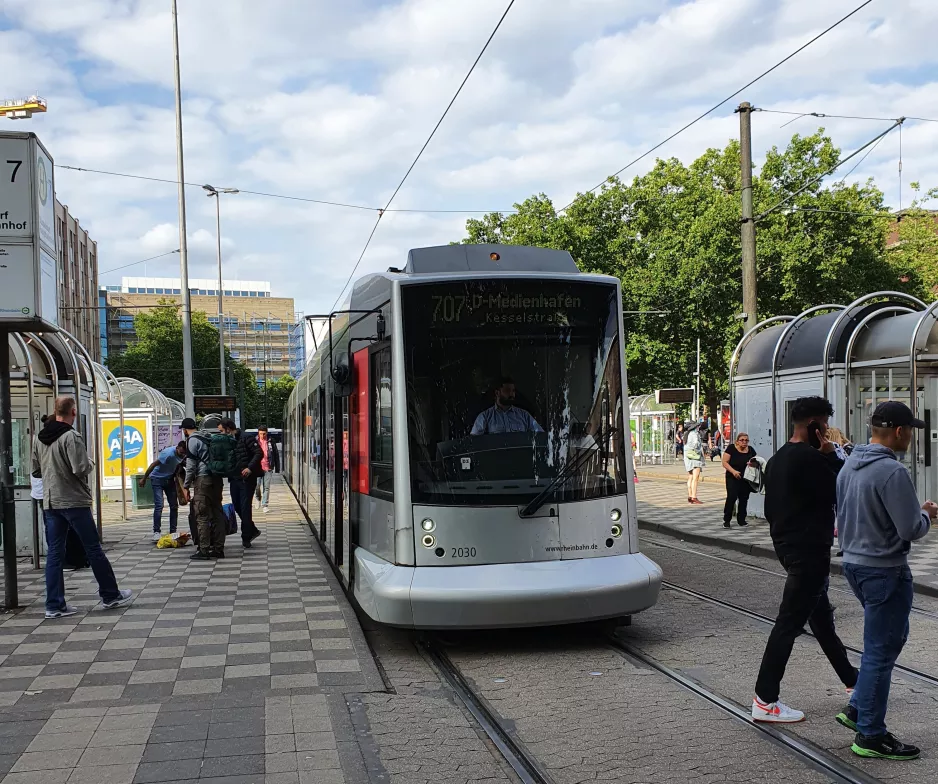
505, 416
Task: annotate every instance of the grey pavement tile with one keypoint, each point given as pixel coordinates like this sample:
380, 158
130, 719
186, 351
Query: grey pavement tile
193, 651
293, 667
291, 645
54, 741
121, 654
331, 776
327, 624
249, 647
160, 663
210, 686
289, 635
106, 679
14, 660
315, 741
183, 733
172, 633
170, 770
216, 767
196, 713
233, 747
79, 713
59, 776
119, 644
127, 721
134, 709
200, 673
125, 665
113, 737
57, 726
235, 729
208, 639
311, 723
104, 774
42, 760
27, 671
163, 652
64, 657
96, 693
293, 681
282, 778
246, 670
247, 658
276, 744
18, 727
247, 685
317, 760
153, 676
161, 752
203, 661
331, 643
148, 691
117, 754
291, 656
338, 665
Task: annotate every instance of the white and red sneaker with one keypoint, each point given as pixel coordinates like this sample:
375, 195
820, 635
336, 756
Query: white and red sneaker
776, 711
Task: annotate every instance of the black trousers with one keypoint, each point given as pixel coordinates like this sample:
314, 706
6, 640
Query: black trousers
242, 498
804, 600
737, 494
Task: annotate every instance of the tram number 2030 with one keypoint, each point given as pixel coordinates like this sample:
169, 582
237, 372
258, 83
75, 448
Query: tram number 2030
463, 552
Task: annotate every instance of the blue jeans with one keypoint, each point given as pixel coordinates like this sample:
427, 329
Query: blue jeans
167, 486
886, 596
264, 488
82, 523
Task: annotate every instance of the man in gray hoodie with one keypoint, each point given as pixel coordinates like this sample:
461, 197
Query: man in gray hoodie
59, 457
878, 517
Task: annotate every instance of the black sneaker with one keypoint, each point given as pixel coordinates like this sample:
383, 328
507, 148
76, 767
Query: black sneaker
848, 717
726, 525
257, 532
743, 524
198, 555
884, 747
246, 543
217, 553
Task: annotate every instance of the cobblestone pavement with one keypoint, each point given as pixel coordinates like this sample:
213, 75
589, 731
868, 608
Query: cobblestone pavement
663, 507
231, 671
723, 650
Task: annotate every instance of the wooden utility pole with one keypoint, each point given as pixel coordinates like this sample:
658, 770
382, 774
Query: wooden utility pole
747, 225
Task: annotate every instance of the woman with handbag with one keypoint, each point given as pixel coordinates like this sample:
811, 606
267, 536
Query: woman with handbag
736, 458
693, 461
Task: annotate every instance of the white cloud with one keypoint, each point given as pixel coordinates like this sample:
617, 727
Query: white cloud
332, 101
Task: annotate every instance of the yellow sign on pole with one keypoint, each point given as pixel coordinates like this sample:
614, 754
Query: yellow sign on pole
137, 448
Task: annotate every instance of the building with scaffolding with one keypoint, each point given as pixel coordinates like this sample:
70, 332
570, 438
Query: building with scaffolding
258, 327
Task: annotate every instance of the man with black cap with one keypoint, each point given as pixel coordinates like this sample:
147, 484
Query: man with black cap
879, 516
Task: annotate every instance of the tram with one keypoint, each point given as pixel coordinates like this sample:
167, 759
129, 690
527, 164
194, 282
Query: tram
459, 443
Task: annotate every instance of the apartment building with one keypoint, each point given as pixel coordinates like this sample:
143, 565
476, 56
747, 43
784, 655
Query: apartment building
77, 272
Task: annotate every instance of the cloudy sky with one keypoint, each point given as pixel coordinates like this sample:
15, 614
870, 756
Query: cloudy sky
331, 100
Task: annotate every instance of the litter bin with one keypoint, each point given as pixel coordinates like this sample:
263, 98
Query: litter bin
143, 496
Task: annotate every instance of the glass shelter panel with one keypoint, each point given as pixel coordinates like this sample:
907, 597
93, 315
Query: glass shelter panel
513, 386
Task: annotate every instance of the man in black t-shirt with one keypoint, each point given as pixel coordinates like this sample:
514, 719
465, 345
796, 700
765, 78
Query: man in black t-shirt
800, 498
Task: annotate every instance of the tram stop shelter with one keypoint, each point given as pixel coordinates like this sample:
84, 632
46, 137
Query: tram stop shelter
882, 346
653, 425
44, 365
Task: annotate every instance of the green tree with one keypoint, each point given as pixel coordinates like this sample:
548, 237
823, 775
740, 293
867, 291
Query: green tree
915, 250
156, 360
277, 392
673, 237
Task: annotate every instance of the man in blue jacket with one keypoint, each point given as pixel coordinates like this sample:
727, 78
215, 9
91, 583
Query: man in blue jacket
878, 516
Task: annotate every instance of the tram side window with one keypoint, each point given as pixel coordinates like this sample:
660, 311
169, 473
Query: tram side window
382, 469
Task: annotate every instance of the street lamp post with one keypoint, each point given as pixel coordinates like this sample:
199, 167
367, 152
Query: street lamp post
216, 192
183, 247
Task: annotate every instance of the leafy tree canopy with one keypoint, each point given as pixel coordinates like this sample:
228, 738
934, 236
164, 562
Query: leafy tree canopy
673, 237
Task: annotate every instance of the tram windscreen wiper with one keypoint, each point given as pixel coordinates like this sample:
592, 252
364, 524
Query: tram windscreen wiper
568, 470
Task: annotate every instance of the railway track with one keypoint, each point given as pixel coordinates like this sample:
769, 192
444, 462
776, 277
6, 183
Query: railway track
819, 759
740, 610
761, 569
521, 761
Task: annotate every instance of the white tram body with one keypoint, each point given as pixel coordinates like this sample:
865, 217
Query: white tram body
430, 526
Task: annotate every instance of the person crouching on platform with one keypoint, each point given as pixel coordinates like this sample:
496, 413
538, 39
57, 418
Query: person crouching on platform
800, 496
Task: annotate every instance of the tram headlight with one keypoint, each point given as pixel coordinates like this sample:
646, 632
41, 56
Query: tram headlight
427, 524
428, 540
615, 515
617, 530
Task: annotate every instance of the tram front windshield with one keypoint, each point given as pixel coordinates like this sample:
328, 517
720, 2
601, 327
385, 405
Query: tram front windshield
514, 391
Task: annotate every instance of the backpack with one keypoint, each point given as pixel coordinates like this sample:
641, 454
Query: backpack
222, 459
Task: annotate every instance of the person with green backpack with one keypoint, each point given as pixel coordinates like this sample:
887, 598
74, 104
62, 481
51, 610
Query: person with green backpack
210, 458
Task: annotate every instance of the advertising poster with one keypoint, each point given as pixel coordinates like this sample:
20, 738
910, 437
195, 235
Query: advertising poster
726, 425
137, 449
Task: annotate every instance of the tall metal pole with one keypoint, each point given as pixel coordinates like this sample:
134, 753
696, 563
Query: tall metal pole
221, 304
11, 597
183, 247
266, 351
697, 412
747, 225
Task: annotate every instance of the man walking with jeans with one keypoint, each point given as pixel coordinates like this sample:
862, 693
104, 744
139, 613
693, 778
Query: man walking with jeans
269, 463
60, 458
879, 517
162, 475
800, 495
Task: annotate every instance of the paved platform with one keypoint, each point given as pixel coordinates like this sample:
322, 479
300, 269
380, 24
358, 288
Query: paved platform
231, 671
663, 508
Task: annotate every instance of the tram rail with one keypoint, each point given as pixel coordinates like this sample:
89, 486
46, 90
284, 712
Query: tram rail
829, 764
521, 761
761, 569
925, 677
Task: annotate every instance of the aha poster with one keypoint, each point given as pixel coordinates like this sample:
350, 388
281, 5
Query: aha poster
137, 449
